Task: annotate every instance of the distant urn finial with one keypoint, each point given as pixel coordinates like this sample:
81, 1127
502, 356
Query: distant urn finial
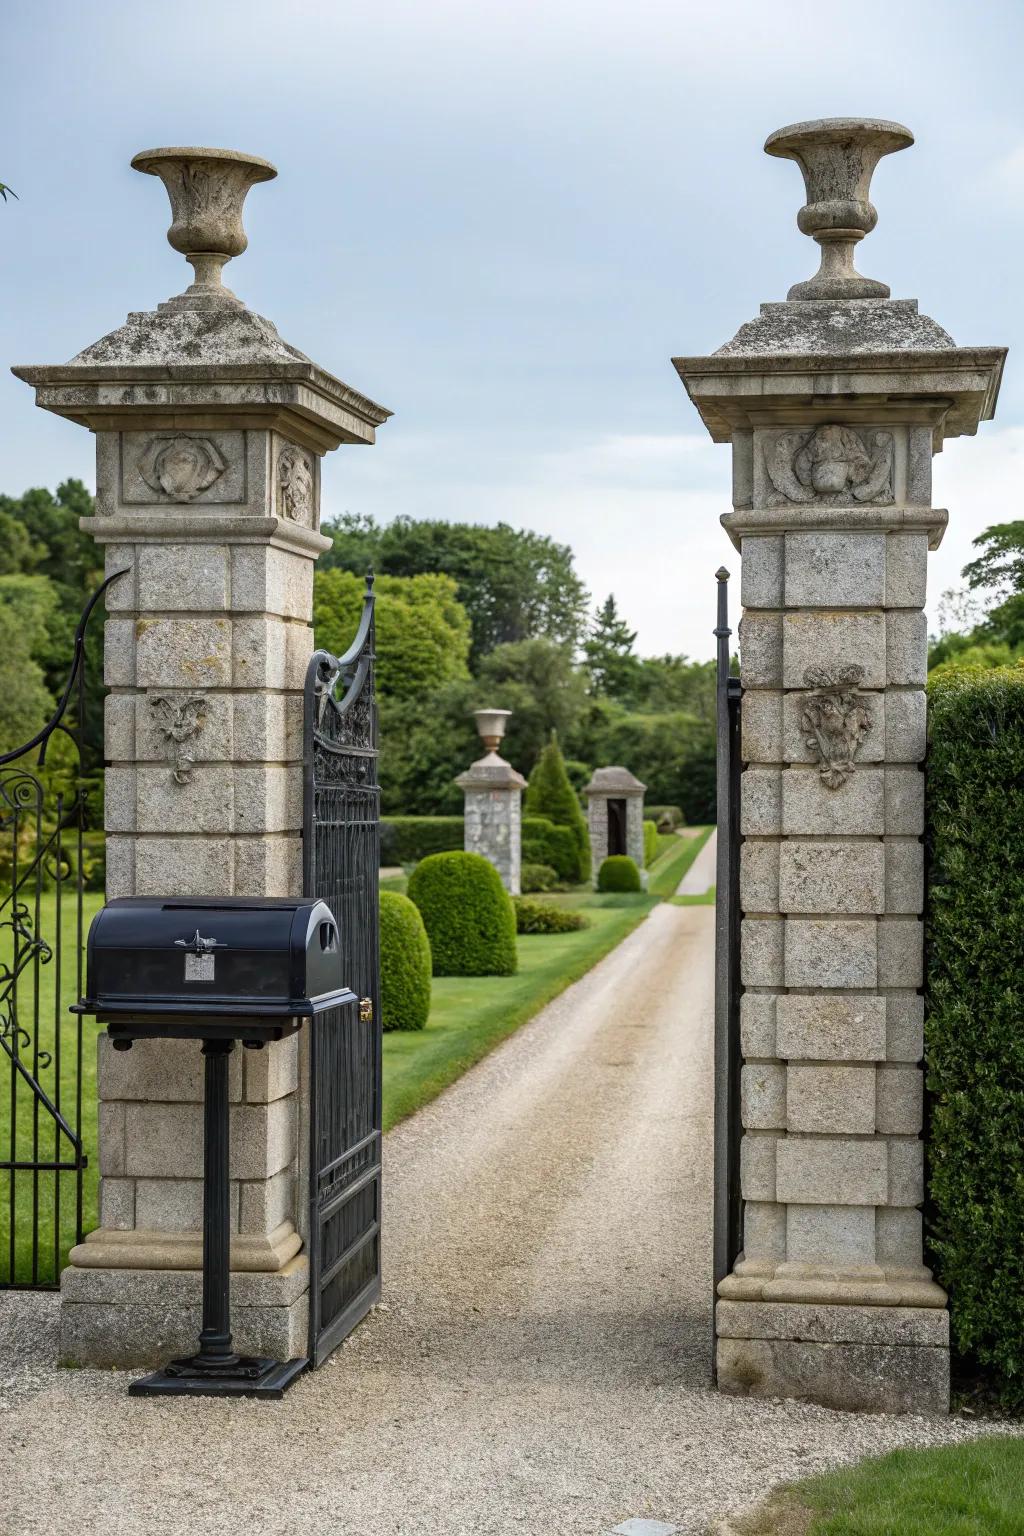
491, 725
207, 188
837, 156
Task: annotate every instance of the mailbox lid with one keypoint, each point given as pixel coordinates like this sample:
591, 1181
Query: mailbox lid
260, 955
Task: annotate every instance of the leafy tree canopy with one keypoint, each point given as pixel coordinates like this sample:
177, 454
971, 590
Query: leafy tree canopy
514, 584
613, 666
422, 628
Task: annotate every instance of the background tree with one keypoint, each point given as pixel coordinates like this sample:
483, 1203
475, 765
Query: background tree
608, 649
422, 628
514, 584
549, 793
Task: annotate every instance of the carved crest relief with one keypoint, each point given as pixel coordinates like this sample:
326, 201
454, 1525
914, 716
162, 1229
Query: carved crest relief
179, 719
181, 467
831, 466
836, 721
296, 485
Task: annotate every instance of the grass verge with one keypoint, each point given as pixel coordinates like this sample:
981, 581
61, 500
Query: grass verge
963, 1490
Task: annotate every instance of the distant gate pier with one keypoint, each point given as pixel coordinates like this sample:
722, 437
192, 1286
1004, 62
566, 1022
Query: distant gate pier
494, 802
615, 815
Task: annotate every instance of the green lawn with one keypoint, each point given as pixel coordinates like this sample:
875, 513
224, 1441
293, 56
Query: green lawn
469, 1017
964, 1490
35, 1132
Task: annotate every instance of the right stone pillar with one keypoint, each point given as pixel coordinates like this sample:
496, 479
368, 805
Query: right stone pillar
834, 403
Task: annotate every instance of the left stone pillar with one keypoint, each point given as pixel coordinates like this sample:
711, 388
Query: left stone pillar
210, 430
494, 803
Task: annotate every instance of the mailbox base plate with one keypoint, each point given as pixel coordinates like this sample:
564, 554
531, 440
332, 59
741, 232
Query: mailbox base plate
272, 1379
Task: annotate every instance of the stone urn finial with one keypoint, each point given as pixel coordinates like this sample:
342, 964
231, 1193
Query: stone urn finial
491, 725
207, 188
837, 156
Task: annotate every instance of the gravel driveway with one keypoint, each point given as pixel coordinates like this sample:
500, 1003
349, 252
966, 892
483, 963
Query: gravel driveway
541, 1363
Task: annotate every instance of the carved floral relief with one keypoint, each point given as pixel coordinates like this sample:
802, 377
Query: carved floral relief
836, 721
831, 466
179, 466
179, 719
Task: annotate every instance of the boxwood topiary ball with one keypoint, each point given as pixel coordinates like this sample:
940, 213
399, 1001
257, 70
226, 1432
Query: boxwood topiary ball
618, 873
467, 913
404, 964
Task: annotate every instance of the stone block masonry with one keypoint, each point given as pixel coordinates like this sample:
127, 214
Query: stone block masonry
829, 402
209, 434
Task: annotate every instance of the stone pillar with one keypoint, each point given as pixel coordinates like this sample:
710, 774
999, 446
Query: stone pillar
834, 403
209, 433
494, 803
607, 787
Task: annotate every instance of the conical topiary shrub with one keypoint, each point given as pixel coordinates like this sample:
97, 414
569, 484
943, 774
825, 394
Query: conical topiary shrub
468, 915
549, 793
405, 966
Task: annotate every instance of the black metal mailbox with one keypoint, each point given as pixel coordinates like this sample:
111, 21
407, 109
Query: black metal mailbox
231, 967
215, 970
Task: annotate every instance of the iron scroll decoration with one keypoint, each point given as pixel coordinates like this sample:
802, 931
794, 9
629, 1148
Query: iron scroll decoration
41, 827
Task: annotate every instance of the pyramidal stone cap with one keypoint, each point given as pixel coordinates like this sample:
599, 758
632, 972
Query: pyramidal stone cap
614, 781
204, 350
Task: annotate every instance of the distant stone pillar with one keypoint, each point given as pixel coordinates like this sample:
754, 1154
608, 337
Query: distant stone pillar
834, 403
209, 434
494, 803
615, 816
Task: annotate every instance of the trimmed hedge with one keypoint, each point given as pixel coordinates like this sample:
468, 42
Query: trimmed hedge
468, 915
537, 877
650, 842
407, 839
404, 964
544, 843
542, 917
618, 873
974, 934
665, 817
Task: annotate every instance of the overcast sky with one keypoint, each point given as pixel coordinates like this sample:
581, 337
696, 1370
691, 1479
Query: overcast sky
502, 219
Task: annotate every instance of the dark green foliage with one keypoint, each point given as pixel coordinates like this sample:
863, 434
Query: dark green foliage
405, 967
544, 843
650, 842
975, 1007
673, 754
537, 877
514, 584
468, 915
613, 667
550, 794
422, 629
537, 681
407, 839
544, 917
665, 817
618, 873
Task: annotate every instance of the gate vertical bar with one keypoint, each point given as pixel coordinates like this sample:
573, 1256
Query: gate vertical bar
728, 1208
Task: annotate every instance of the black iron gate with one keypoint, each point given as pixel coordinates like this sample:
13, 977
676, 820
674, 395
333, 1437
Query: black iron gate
341, 842
44, 1072
728, 1218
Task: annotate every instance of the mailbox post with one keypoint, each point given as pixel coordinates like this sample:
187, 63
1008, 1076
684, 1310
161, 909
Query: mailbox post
216, 971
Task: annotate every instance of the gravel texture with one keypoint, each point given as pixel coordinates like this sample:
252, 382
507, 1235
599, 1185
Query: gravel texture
541, 1361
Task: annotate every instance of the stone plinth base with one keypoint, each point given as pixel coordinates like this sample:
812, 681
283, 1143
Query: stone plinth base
865, 1359
144, 1317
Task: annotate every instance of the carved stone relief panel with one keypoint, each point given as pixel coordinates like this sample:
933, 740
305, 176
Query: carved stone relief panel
836, 720
830, 466
179, 718
171, 468
296, 485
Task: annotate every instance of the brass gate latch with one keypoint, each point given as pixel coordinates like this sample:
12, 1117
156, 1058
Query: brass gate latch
366, 1010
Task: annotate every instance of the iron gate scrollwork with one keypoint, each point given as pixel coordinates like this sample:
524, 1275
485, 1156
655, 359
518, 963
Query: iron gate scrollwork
44, 799
728, 1202
341, 856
